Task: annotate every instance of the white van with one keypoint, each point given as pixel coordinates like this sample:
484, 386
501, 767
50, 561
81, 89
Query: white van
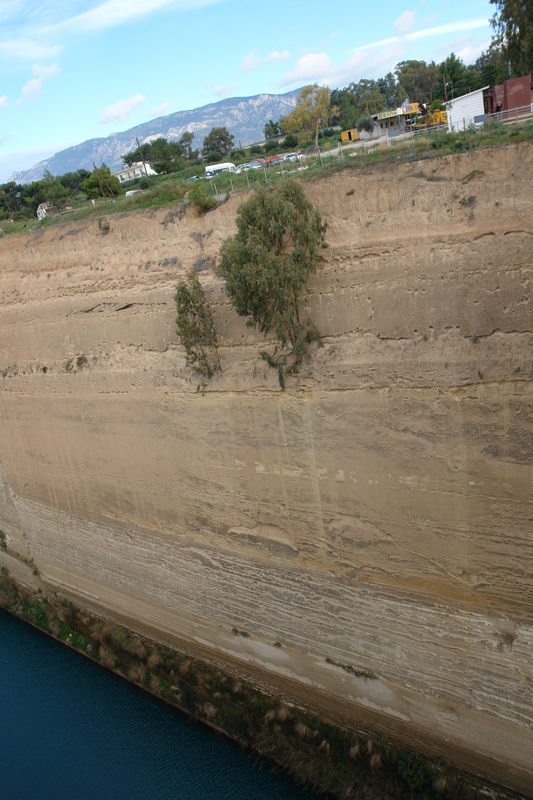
216, 169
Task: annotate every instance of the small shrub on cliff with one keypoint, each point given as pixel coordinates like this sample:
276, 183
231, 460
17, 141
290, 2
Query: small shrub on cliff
196, 328
200, 198
266, 266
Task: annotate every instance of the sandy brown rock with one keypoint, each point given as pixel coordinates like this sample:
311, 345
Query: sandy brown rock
377, 513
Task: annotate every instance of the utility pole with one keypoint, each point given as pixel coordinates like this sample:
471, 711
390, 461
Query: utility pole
109, 187
100, 182
144, 163
7, 204
445, 90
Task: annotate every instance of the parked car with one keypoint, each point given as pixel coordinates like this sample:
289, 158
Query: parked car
290, 156
194, 178
251, 165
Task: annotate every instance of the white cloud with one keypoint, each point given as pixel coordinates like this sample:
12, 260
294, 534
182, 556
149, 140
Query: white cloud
3, 101
34, 86
310, 68
250, 61
5, 138
164, 108
221, 91
471, 50
450, 27
405, 22
117, 12
121, 109
27, 49
440, 30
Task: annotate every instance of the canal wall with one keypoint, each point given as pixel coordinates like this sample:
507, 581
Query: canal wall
373, 519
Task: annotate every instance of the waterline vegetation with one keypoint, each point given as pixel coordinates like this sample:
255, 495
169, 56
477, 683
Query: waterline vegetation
332, 760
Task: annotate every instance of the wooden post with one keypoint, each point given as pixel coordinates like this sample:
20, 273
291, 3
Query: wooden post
231, 184
144, 163
247, 179
516, 116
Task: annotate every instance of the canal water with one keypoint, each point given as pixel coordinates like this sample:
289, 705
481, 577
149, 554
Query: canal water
70, 730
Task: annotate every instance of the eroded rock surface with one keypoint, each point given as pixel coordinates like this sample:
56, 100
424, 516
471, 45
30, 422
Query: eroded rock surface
377, 513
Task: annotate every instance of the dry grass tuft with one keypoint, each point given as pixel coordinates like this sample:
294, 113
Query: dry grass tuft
369, 747
301, 730
137, 673
270, 716
376, 762
283, 714
154, 660
354, 752
324, 746
108, 661
440, 784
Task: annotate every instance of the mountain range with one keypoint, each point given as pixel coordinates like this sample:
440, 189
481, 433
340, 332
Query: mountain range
244, 117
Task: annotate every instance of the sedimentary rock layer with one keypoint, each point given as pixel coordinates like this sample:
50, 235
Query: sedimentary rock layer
377, 513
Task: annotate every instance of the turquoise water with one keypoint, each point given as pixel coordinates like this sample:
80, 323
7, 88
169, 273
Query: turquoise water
70, 730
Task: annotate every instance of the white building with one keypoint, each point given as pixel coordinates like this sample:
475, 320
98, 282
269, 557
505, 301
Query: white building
46, 210
463, 111
135, 171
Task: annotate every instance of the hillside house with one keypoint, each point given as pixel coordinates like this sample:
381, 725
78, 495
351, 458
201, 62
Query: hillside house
135, 171
46, 210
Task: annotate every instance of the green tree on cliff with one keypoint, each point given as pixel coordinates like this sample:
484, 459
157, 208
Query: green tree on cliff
196, 328
266, 266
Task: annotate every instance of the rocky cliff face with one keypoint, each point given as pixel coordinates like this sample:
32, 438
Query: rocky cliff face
376, 514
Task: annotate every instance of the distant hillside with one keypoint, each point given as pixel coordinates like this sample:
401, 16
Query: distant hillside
245, 118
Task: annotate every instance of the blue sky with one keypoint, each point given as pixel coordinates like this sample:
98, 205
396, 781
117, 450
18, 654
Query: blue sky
72, 70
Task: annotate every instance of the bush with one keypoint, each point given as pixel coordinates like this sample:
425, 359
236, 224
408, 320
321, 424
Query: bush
290, 141
272, 144
196, 328
200, 198
214, 157
143, 183
256, 149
